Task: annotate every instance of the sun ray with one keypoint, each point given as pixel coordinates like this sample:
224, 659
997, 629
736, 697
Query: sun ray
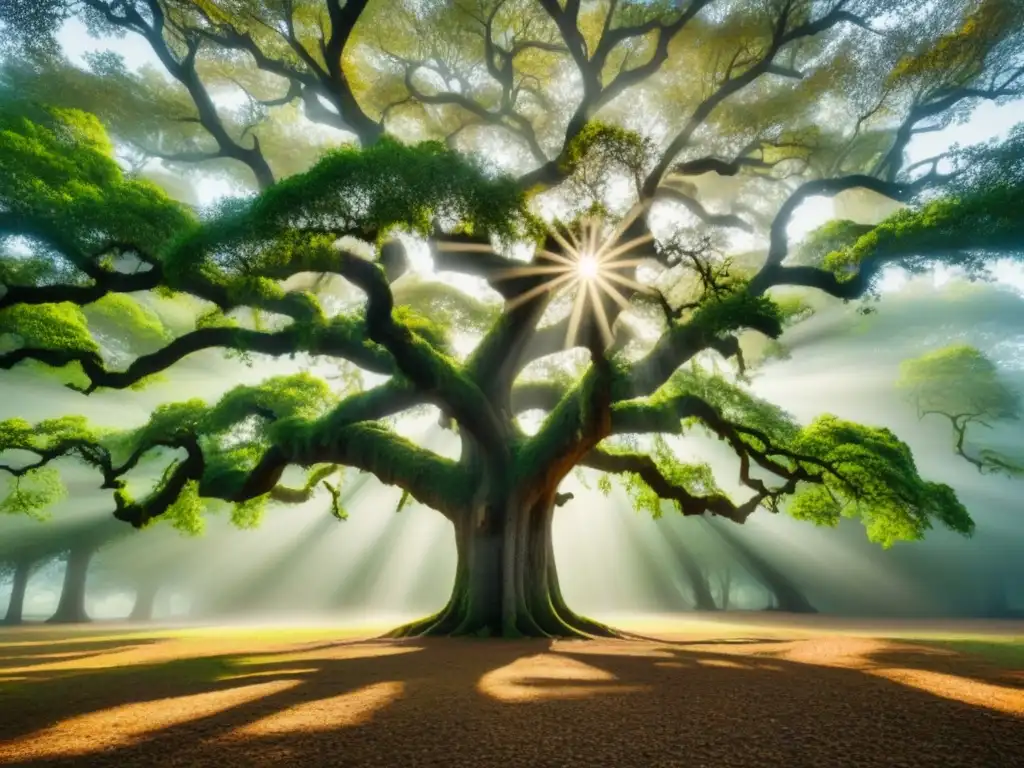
621, 228
556, 257
562, 241
641, 288
577, 315
592, 234
623, 264
613, 292
575, 241
451, 245
548, 285
602, 316
529, 270
634, 243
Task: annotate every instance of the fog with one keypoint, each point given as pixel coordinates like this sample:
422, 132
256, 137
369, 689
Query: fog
381, 565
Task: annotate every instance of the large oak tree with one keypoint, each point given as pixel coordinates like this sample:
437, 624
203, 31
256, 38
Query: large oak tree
604, 189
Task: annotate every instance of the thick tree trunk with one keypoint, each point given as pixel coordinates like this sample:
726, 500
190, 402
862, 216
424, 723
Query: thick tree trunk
16, 605
71, 609
145, 598
788, 596
506, 583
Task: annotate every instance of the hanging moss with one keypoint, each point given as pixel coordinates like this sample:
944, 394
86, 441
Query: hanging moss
31, 493
185, 514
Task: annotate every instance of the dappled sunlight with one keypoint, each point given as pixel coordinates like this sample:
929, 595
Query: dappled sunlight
301, 697
124, 725
346, 709
974, 692
245, 648
720, 663
348, 652
550, 676
276, 672
955, 678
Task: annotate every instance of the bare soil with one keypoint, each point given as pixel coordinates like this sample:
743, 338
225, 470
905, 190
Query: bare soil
733, 696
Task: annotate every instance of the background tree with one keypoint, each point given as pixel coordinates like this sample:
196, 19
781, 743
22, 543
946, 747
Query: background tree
604, 321
962, 385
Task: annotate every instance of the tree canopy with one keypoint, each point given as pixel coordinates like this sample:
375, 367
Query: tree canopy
603, 193
961, 384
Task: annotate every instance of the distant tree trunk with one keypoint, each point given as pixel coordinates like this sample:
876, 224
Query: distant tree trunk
145, 597
725, 586
71, 609
788, 596
22, 571
506, 583
702, 597
996, 600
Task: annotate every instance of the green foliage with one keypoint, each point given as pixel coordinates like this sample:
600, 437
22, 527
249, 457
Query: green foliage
734, 402
738, 310
299, 395
46, 326
19, 435
697, 479
185, 514
872, 475
40, 267
366, 192
60, 183
248, 514
959, 56
977, 215
959, 380
120, 313
58, 177
792, 309
432, 331
447, 305
31, 493
337, 508
170, 422
833, 236
609, 145
963, 385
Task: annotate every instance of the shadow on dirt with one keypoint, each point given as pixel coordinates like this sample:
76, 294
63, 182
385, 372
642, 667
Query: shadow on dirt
512, 703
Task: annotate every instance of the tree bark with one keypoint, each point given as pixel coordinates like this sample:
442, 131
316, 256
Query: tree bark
788, 596
145, 598
71, 609
16, 605
506, 581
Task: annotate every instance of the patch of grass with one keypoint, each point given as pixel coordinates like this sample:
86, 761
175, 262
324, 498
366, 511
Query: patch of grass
1006, 652
23, 636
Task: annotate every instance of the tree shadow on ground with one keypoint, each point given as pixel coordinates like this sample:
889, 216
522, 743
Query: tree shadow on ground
31, 654
949, 661
512, 703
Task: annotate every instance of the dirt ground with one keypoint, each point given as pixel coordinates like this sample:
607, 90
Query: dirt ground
776, 693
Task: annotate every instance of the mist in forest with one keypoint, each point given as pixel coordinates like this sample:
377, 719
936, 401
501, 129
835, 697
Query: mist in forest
381, 564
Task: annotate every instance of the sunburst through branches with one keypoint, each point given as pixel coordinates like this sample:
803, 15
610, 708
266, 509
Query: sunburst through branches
592, 264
